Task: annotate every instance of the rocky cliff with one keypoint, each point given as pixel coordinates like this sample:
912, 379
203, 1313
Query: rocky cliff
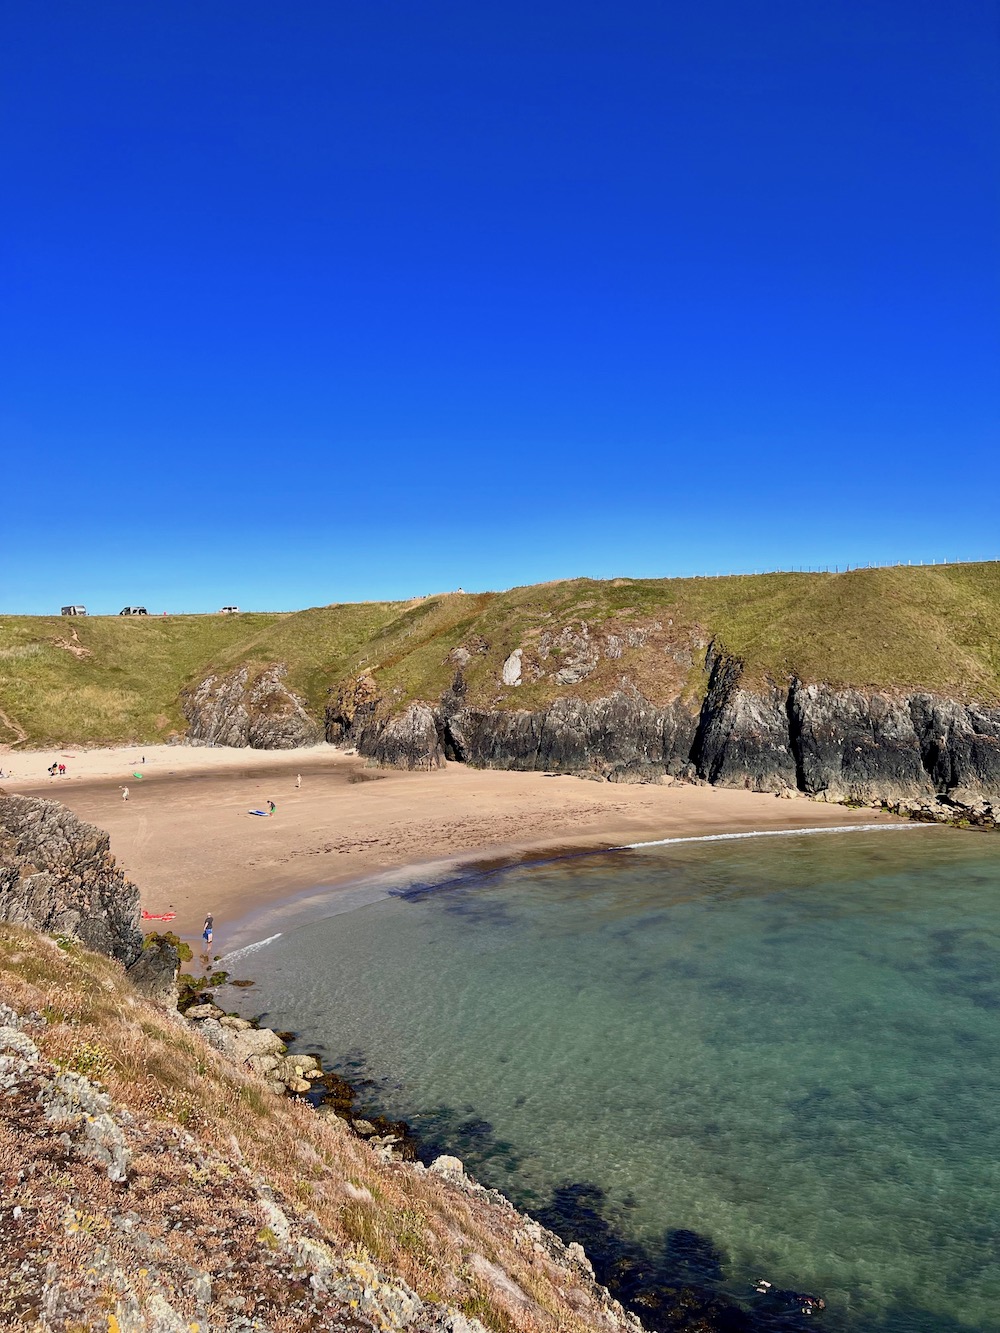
838, 745
249, 708
634, 697
57, 875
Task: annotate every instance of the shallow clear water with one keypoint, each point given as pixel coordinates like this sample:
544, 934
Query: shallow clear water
788, 1046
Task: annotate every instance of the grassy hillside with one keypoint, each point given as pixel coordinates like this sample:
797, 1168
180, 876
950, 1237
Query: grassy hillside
106, 679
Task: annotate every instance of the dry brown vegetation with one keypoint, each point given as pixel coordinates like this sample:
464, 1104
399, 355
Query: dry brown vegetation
205, 1137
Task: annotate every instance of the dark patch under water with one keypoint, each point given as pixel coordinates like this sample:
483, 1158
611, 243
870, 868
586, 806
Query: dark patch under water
699, 1061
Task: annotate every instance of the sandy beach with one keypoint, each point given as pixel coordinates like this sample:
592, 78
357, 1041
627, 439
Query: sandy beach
187, 839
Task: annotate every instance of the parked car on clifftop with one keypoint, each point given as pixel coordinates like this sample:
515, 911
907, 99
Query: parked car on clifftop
228, 610
133, 611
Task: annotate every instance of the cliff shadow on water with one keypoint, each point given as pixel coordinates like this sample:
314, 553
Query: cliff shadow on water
679, 1281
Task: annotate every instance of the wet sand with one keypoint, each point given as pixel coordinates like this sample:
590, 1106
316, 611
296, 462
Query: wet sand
186, 837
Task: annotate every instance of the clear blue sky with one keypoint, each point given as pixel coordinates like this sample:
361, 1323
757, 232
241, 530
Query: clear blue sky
349, 299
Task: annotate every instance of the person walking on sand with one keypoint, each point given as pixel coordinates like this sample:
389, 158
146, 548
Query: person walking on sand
271, 807
298, 780
124, 793
206, 934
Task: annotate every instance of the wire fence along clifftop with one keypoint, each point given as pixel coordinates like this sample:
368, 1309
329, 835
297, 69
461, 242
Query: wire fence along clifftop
831, 569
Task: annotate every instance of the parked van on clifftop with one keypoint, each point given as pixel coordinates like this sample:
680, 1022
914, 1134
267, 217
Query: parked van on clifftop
133, 611
73, 611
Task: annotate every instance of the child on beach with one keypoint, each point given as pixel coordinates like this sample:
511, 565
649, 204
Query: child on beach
206, 934
271, 807
124, 793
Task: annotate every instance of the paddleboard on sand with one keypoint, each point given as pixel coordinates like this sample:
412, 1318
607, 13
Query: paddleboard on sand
137, 775
265, 813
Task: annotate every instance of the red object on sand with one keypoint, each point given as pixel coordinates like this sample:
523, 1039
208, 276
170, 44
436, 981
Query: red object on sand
154, 916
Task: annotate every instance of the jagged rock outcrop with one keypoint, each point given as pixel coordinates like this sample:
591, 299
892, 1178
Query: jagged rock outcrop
57, 875
959, 745
249, 708
840, 745
743, 738
411, 739
352, 706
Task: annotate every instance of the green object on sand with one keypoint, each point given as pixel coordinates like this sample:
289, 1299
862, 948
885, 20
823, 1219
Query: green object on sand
137, 775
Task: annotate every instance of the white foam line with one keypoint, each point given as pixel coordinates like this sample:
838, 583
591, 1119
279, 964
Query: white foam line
771, 833
249, 948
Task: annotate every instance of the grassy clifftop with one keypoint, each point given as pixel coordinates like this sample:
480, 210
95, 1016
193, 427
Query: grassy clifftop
106, 680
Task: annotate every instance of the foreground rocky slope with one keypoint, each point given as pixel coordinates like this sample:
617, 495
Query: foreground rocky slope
154, 1178
151, 1183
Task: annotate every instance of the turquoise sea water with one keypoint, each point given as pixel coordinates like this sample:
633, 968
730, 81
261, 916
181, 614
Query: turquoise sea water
787, 1048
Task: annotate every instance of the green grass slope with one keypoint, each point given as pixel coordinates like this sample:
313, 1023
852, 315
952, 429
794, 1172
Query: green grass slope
109, 679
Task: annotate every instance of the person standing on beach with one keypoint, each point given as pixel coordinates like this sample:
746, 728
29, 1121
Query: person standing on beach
298, 780
124, 793
206, 934
271, 807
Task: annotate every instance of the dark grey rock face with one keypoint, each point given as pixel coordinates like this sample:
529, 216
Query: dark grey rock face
154, 972
57, 875
743, 738
841, 745
249, 709
959, 744
854, 746
619, 734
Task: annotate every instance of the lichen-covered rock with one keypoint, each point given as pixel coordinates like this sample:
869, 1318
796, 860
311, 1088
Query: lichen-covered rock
57, 875
410, 740
249, 709
510, 673
72, 1100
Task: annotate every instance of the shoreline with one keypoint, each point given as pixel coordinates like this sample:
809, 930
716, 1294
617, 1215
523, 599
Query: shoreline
186, 838
322, 901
